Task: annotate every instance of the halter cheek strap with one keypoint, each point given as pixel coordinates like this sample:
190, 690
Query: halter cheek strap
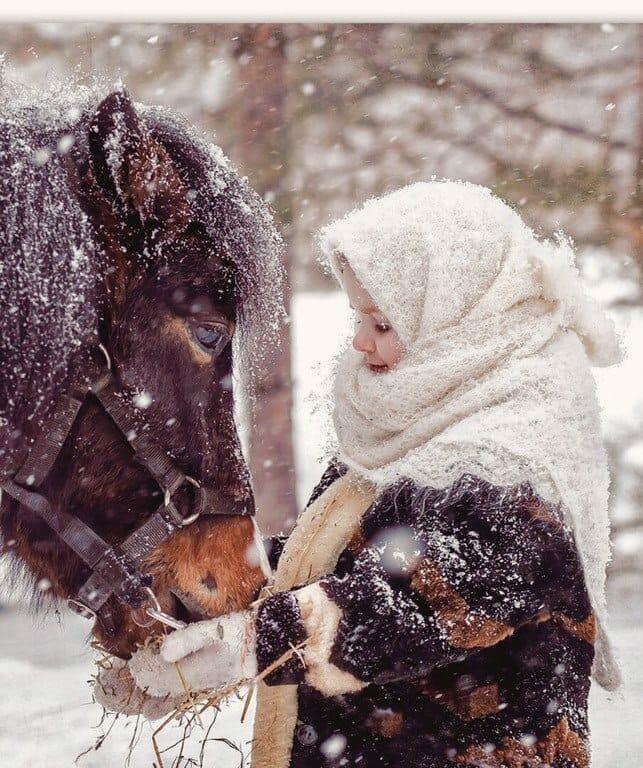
115, 570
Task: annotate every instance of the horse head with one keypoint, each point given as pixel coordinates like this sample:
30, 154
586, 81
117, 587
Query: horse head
138, 266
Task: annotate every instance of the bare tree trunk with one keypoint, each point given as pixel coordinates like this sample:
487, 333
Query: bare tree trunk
262, 125
637, 212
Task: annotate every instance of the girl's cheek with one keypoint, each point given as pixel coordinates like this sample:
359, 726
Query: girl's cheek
390, 349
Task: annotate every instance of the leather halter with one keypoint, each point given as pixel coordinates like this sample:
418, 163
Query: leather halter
115, 570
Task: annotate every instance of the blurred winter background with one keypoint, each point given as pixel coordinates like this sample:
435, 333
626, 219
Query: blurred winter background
320, 117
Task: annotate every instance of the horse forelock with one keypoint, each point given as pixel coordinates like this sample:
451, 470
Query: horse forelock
241, 223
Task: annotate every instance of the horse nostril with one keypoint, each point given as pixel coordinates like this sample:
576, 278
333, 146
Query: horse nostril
210, 582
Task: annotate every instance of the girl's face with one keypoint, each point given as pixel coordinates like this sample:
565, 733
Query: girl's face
374, 336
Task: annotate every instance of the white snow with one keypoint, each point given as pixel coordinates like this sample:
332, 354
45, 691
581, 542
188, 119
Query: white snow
47, 717
618, 387
633, 456
320, 321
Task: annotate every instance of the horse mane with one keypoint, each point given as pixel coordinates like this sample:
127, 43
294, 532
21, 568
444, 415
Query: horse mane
52, 265
49, 263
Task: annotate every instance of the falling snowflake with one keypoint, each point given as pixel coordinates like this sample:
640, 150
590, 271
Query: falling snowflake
142, 400
333, 746
65, 143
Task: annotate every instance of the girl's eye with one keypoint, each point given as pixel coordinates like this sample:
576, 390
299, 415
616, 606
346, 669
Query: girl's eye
213, 337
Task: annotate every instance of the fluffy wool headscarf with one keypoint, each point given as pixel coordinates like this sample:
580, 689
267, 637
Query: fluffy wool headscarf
495, 380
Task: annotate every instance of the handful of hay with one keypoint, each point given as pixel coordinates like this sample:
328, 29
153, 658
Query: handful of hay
187, 710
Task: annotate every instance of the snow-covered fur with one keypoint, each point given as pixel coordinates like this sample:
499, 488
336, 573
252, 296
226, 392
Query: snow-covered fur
495, 380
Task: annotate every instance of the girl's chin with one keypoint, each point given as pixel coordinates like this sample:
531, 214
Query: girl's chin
377, 368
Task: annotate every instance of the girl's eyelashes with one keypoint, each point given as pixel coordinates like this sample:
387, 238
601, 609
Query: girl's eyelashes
381, 326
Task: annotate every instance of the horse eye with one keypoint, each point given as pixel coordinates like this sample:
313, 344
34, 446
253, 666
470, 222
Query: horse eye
213, 337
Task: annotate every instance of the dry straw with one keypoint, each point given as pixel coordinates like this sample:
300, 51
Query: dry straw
190, 709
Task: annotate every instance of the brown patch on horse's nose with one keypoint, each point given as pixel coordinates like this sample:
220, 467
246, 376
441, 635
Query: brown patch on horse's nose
205, 565
209, 582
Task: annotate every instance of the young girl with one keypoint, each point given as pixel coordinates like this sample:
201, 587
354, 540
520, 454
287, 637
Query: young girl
440, 602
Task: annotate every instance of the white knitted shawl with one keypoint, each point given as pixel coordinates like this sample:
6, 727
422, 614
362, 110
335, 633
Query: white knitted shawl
495, 379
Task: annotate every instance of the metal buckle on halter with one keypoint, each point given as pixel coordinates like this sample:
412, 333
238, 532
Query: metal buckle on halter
174, 512
105, 377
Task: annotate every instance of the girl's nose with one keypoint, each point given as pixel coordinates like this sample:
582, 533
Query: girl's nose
362, 341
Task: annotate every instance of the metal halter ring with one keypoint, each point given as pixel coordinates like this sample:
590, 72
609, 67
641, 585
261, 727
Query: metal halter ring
191, 518
165, 618
167, 498
157, 614
144, 609
108, 359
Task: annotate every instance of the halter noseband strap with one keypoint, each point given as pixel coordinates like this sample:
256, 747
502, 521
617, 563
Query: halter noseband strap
116, 570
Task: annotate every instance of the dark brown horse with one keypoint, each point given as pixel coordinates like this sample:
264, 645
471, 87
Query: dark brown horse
131, 251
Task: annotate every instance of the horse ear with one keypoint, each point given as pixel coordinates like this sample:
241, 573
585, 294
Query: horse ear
134, 171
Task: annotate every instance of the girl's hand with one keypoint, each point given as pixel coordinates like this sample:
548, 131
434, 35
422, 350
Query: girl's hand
204, 656
116, 690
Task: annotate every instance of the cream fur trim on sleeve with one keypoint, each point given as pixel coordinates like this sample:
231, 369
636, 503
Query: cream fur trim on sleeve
320, 617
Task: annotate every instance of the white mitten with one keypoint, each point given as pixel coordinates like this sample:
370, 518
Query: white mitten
210, 655
116, 690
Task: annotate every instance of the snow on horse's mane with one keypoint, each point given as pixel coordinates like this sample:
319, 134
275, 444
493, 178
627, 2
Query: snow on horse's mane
49, 258
51, 263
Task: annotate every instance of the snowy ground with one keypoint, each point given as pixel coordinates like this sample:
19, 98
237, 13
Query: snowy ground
46, 714
47, 718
